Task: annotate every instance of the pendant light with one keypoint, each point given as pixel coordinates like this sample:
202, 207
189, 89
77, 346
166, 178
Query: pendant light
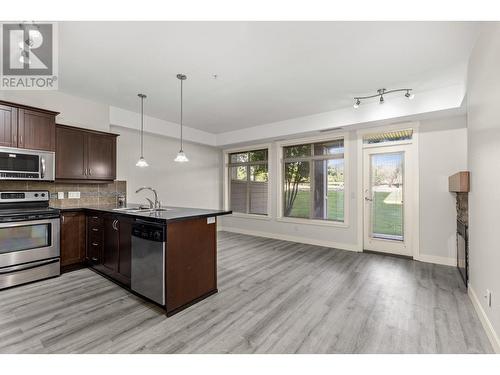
142, 162
181, 156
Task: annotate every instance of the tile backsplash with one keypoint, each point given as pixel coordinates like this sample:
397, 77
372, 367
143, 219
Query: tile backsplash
90, 194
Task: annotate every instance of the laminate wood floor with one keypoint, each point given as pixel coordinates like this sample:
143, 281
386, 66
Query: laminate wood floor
274, 297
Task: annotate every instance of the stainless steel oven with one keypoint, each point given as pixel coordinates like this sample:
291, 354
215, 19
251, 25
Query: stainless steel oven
21, 164
29, 238
28, 241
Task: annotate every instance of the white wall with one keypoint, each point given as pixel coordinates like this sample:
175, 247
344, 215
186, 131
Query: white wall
132, 120
74, 111
344, 238
483, 123
442, 152
193, 184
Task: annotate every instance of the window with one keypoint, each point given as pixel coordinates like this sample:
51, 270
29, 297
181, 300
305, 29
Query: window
248, 182
391, 136
313, 180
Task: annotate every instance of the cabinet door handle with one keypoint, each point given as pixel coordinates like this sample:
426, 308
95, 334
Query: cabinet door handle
15, 140
62, 218
21, 139
90, 172
95, 230
94, 259
95, 244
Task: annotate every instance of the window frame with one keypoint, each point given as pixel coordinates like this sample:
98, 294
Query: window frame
280, 173
227, 180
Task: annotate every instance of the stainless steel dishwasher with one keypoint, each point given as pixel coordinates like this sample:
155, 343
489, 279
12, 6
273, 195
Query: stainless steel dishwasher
148, 260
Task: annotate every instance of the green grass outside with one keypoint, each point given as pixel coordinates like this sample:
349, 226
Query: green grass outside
335, 208
388, 217
386, 221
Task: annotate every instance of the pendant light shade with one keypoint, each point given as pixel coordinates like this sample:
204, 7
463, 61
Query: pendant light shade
181, 156
142, 162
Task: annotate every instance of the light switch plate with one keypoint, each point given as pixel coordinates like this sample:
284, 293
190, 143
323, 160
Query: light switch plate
74, 195
211, 220
60, 195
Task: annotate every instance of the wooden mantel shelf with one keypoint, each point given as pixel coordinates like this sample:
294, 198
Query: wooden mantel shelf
459, 182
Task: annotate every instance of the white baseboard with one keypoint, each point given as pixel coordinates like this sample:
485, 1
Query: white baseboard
488, 327
286, 237
436, 260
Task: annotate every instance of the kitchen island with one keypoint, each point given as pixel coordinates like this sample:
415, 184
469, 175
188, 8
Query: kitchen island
167, 255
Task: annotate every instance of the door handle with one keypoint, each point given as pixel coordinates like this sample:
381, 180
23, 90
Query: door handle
368, 199
42, 167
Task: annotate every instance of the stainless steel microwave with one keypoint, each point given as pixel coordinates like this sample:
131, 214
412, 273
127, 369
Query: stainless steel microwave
22, 164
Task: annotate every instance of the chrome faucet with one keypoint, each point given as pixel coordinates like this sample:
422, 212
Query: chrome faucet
157, 203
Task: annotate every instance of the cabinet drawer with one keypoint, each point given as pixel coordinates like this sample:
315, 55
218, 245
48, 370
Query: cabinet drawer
95, 237
95, 245
94, 252
95, 221
95, 230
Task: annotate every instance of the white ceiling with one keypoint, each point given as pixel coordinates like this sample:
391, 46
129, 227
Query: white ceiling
267, 71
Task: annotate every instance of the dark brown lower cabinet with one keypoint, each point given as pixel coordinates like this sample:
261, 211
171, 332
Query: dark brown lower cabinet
191, 269
116, 249
72, 238
94, 239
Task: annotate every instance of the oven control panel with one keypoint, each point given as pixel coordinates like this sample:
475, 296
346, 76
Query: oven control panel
24, 196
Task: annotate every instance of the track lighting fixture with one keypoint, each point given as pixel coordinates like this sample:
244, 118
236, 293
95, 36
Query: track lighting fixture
380, 93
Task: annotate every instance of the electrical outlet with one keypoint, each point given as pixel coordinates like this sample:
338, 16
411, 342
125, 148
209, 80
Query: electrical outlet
488, 297
210, 220
74, 195
60, 195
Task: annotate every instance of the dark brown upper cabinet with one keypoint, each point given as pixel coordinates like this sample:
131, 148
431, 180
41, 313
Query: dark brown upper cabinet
85, 155
8, 126
27, 127
101, 156
36, 130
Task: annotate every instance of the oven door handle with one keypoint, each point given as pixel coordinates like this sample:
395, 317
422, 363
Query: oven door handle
42, 167
27, 266
55, 222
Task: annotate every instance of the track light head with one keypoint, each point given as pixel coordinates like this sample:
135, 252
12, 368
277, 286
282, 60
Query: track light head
408, 95
357, 103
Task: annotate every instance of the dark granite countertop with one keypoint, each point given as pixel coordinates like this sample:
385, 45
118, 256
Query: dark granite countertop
171, 214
